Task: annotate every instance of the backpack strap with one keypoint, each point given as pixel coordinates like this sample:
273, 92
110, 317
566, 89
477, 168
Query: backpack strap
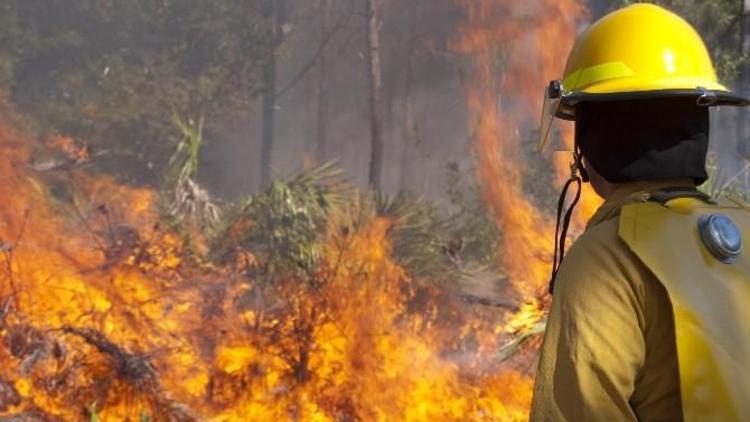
663, 196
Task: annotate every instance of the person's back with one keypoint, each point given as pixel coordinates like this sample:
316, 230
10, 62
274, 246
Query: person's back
649, 318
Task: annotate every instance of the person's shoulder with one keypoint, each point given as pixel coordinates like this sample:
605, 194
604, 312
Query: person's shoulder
599, 261
600, 239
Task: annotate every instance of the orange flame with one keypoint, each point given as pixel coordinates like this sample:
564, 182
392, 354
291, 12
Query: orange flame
103, 313
74, 150
516, 48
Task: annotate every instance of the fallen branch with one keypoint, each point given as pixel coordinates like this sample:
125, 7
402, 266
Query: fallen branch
497, 303
134, 368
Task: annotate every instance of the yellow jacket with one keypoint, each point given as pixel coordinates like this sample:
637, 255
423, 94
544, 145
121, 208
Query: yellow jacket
635, 292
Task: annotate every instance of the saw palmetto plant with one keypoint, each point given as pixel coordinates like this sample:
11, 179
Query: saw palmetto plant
284, 224
186, 203
422, 240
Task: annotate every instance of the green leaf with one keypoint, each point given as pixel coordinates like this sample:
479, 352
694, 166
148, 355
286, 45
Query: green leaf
93, 414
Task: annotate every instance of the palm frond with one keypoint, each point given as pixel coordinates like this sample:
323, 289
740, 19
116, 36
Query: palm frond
421, 236
285, 223
184, 162
514, 346
186, 202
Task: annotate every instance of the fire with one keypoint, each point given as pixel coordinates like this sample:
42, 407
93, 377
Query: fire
105, 315
75, 150
516, 48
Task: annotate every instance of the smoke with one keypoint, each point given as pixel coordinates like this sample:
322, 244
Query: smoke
416, 155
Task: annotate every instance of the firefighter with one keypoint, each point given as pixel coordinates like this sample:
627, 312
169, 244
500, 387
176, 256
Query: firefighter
650, 314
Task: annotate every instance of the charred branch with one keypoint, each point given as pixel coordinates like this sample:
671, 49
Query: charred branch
497, 303
133, 368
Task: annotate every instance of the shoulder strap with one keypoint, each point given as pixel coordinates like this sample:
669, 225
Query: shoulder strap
662, 196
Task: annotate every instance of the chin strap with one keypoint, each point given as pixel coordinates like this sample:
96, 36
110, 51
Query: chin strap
577, 176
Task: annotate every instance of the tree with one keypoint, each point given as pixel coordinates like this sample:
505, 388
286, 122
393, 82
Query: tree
376, 87
276, 16
321, 135
743, 117
410, 128
115, 72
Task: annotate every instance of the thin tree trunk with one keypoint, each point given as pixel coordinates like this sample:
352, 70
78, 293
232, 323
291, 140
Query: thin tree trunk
276, 15
743, 117
410, 129
269, 122
321, 136
376, 100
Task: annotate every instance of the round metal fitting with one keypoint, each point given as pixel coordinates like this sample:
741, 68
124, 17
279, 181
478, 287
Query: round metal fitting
721, 237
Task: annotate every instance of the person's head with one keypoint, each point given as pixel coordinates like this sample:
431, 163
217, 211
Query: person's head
628, 141
638, 84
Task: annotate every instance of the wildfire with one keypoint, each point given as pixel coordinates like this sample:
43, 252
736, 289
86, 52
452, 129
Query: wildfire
104, 315
74, 150
515, 48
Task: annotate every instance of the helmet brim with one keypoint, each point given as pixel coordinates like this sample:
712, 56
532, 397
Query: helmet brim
566, 111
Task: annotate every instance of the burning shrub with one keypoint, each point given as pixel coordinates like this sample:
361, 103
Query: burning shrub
311, 306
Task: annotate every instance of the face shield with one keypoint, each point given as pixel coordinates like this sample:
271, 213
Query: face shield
553, 96
728, 164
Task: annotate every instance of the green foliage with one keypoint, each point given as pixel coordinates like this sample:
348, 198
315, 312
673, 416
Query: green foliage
286, 222
10, 37
438, 243
113, 72
421, 235
93, 414
285, 225
144, 417
468, 218
184, 162
188, 205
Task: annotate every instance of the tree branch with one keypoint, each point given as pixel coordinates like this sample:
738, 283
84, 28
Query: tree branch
327, 38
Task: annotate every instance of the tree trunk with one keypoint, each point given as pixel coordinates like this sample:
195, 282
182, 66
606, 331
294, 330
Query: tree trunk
410, 128
276, 16
744, 79
321, 136
376, 100
269, 122
743, 117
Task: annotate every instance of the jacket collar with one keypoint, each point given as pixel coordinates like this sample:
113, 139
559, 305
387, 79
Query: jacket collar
633, 192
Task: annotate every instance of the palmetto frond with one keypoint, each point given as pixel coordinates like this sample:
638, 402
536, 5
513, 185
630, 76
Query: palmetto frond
285, 223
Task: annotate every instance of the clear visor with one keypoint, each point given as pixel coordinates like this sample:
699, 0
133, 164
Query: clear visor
728, 167
549, 111
728, 179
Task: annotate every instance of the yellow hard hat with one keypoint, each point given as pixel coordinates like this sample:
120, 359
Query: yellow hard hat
638, 52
